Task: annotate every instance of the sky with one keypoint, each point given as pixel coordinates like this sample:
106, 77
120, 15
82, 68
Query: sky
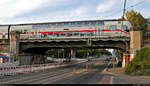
37, 11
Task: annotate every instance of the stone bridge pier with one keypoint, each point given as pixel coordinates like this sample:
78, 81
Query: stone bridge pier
136, 43
14, 46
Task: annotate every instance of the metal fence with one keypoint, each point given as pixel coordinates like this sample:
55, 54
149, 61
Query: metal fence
13, 69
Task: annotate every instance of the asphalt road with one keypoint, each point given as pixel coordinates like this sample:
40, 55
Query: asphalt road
72, 74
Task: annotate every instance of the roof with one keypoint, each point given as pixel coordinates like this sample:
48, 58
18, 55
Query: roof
59, 22
3, 56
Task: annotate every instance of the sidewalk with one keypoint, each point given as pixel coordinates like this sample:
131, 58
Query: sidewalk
119, 77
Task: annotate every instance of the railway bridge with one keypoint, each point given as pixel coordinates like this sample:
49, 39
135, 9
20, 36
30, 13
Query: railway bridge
17, 46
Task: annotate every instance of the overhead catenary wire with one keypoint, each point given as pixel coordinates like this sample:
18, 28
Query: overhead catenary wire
119, 11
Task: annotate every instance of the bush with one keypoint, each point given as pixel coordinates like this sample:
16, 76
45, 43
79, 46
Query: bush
140, 63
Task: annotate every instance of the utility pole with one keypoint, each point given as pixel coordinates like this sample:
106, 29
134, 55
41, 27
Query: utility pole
124, 9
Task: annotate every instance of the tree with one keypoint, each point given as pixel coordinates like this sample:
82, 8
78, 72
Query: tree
136, 19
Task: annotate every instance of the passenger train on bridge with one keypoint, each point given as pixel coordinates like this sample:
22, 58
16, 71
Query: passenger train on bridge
89, 28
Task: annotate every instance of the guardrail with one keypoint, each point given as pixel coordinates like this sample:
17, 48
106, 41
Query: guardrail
27, 36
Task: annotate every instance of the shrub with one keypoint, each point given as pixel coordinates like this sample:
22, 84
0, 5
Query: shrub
140, 63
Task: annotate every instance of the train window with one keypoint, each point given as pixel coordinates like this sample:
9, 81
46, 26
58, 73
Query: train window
56, 34
50, 34
44, 34
25, 31
88, 33
53, 25
66, 24
92, 33
113, 27
49, 25
69, 34
93, 23
41, 26
124, 27
62, 34
76, 34
72, 24
60, 25
85, 33
86, 23
79, 24
100, 23
45, 26
81, 33
35, 26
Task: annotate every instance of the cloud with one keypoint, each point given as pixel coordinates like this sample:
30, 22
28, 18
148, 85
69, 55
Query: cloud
30, 11
11, 8
106, 6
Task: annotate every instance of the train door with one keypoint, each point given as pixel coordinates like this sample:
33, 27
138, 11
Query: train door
37, 34
100, 28
97, 31
100, 31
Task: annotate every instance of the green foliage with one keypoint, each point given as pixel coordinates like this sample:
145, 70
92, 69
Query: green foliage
91, 52
136, 19
51, 53
140, 63
80, 53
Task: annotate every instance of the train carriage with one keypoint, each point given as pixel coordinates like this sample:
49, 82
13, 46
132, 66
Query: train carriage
71, 29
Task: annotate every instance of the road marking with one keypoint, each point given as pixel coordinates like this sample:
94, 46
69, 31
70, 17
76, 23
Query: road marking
69, 75
105, 80
65, 76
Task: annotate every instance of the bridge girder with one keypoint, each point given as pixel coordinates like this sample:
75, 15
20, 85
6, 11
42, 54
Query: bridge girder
24, 46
